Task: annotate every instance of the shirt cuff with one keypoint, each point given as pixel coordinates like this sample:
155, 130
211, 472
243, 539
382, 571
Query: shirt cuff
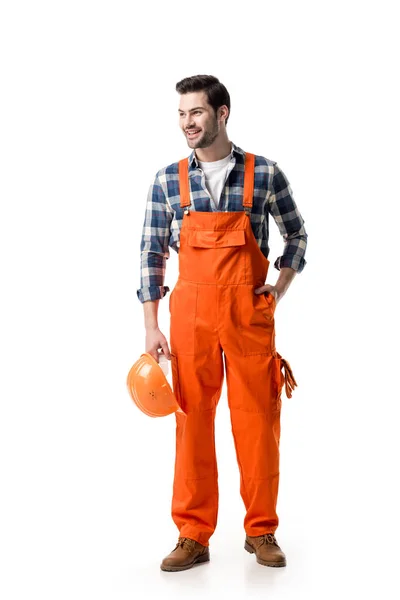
294, 262
153, 292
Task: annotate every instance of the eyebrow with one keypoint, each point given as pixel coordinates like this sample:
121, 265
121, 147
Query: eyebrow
192, 109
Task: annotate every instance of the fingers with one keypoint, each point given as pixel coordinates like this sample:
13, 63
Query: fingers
156, 344
264, 288
153, 354
165, 350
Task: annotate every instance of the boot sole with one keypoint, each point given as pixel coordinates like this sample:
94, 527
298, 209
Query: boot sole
199, 560
260, 561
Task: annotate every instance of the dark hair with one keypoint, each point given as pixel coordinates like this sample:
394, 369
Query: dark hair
216, 92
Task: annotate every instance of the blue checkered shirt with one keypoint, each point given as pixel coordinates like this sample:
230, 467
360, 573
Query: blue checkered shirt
163, 217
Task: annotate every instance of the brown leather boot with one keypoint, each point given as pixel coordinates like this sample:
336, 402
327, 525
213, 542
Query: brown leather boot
266, 549
186, 553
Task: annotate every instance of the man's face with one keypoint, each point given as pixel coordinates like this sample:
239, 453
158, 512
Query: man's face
197, 120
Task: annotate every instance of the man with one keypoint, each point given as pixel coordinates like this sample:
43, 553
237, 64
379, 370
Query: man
213, 209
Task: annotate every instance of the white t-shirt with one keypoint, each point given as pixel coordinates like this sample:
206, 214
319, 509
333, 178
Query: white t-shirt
215, 174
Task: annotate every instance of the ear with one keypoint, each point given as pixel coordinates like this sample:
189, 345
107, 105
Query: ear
223, 113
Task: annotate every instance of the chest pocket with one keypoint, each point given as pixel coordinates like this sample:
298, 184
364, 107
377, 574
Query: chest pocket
217, 239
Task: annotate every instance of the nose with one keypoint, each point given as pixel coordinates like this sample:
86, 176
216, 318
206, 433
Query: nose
188, 122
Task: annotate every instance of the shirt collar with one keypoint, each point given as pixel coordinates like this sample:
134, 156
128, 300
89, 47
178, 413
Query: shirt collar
193, 163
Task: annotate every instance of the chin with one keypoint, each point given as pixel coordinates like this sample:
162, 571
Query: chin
199, 144
194, 143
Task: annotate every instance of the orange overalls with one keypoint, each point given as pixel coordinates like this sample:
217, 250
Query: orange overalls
214, 309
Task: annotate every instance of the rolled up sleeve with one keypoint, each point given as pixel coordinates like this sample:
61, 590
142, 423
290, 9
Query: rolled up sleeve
154, 244
282, 207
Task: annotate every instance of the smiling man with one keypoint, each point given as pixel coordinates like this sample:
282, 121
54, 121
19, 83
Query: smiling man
198, 123
214, 209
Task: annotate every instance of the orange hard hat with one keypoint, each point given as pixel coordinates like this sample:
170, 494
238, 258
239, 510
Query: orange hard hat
149, 388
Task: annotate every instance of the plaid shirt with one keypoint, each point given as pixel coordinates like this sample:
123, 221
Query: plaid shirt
163, 217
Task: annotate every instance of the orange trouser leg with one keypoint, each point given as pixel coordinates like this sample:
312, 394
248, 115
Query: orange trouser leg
197, 382
253, 387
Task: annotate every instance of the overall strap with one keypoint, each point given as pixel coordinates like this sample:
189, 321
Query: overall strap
184, 182
248, 188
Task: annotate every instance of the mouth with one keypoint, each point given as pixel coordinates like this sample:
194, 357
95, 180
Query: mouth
192, 133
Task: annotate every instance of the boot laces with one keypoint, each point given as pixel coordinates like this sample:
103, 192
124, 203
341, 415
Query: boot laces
269, 538
186, 543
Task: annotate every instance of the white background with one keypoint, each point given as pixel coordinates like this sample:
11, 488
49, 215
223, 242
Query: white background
88, 115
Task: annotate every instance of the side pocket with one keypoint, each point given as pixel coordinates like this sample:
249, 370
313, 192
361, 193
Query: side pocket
183, 309
175, 379
270, 301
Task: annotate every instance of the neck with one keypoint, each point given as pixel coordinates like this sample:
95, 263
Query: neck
218, 150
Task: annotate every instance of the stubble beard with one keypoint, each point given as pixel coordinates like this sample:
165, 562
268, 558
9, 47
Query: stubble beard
207, 139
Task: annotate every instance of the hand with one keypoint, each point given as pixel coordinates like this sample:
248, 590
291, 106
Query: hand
271, 289
155, 340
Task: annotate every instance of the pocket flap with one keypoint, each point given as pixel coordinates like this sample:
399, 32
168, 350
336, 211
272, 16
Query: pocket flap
217, 239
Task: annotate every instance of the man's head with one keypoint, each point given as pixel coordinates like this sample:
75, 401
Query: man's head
203, 109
